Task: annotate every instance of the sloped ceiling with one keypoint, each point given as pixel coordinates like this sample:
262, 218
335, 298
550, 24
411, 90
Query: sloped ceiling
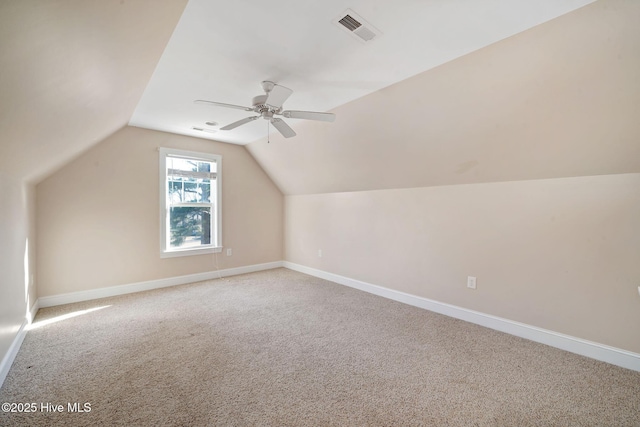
72, 73
559, 100
222, 50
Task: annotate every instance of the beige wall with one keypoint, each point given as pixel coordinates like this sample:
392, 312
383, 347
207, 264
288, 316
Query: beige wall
560, 254
17, 264
72, 74
98, 217
561, 99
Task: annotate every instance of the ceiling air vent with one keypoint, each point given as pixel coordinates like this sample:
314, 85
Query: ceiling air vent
355, 25
350, 23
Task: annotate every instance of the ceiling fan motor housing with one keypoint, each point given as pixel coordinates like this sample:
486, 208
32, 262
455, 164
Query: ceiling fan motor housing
265, 110
259, 100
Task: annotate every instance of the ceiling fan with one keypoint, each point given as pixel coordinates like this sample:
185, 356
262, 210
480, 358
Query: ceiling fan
268, 106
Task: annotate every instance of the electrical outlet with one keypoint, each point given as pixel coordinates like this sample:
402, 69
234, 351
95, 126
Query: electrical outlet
471, 282
638, 289
229, 252
319, 253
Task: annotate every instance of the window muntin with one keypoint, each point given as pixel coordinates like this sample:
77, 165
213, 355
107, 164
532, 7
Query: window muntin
190, 202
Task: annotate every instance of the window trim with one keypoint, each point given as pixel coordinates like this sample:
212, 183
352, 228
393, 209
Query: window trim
165, 252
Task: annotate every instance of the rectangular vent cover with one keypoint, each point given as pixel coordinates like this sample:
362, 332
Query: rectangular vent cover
355, 25
349, 22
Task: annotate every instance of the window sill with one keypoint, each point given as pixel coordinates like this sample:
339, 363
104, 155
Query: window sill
188, 252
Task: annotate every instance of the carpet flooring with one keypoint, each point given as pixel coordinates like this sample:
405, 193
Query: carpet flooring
280, 348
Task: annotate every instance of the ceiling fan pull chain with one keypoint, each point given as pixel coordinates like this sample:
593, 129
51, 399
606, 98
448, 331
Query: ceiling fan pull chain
268, 141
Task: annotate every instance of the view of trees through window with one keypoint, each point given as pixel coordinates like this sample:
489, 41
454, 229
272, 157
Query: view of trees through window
189, 199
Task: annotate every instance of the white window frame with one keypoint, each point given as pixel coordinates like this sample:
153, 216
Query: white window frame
216, 246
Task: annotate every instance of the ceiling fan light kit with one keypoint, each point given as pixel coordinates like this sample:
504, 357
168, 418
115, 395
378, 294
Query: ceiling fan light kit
270, 105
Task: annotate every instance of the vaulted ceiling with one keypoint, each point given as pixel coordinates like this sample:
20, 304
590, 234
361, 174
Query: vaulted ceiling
222, 51
449, 93
72, 73
559, 100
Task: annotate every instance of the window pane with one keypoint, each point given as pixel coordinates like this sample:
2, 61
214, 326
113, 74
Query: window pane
188, 165
204, 191
190, 226
190, 191
182, 164
204, 167
175, 190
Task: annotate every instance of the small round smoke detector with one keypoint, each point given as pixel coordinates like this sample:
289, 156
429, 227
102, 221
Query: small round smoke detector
211, 123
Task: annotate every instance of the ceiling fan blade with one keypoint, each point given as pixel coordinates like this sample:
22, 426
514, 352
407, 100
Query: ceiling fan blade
278, 95
309, 115
239, 123
283, 128
220, 104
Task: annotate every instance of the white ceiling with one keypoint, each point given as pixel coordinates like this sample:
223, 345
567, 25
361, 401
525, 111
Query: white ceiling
222, 50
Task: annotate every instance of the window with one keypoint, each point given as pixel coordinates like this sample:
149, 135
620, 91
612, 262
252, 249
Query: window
189, 203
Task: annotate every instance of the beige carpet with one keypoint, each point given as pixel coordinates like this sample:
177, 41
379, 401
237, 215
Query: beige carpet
282, 348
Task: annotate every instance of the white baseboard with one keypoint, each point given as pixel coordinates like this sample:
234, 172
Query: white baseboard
605, 353
72, 297
11, 354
